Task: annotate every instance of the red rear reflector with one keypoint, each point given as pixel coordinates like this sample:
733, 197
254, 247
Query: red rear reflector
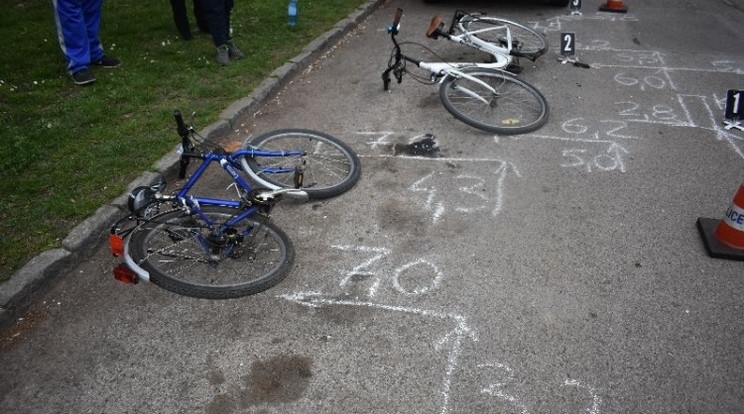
124, 275
116, 245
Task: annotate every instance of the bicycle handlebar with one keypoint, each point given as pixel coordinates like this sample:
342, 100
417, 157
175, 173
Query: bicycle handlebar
396, 20
394, 67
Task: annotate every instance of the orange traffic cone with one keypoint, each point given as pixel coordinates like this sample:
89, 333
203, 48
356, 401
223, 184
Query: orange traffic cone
614, 6
724, 239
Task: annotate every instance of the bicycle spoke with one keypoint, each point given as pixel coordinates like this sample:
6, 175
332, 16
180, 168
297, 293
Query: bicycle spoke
329, 166
199, 262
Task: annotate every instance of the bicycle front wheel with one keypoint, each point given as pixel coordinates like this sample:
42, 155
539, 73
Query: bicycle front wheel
188, 256
330, 166
507, 106
494, 30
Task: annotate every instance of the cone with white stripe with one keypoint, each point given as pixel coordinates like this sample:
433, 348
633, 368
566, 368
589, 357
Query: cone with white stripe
731, 229
724, 238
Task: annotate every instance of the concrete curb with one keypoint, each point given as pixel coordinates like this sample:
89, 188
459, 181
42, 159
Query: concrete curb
30, 281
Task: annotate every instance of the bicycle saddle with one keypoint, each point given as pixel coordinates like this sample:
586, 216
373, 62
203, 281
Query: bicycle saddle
433, 30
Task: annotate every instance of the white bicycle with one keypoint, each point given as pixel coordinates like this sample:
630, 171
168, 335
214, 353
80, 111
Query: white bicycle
487, 95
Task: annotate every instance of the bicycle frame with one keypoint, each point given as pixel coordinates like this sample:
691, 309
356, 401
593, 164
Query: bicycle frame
438, 70
230, 163
192, 204
500, 53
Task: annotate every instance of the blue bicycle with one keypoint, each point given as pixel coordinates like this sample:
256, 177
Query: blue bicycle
218, 248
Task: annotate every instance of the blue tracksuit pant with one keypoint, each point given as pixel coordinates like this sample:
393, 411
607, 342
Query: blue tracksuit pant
77, 28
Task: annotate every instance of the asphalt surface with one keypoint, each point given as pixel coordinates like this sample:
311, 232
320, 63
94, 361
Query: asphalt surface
559, 271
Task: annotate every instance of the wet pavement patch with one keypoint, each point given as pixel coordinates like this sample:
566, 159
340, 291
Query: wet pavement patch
275, 381
278, 380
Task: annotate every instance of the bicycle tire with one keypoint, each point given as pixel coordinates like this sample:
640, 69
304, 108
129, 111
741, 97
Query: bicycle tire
167, 246
516, 108
524, 39
330, 166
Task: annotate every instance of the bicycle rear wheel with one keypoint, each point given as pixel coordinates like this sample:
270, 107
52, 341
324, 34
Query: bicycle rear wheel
515, 107
524, 39
183, 255
330, 166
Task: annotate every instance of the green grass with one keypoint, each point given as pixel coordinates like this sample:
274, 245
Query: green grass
66, 150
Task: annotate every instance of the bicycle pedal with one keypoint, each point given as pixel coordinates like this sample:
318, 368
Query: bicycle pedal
514, 68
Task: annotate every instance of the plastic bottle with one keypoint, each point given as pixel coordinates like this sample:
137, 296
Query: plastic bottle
292, 13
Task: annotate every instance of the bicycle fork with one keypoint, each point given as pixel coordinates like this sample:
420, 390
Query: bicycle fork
468, 91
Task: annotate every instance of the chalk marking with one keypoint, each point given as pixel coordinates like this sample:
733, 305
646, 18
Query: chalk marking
438, 276
654, 82
722, 134
454, 338
559, 138
472, 190
555, 23
644, 56
363, 268
502, 171
574, 126
437, 207
381, 141
438, 159
596, 399
429, 204
379, 253
674, 69
661, 114
496, 388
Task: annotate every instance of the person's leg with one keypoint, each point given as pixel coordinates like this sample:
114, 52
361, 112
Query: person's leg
233, 50
73, 34
201, 18
229, 4
214, 12
92, 17
181, 19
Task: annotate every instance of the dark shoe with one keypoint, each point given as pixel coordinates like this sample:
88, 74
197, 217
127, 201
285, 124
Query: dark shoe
108, 62
223, 54
83, 77
233, 51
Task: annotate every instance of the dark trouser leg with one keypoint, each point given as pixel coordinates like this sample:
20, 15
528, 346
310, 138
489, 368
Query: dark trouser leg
201, 18
228, 9
215, 12
180, 18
